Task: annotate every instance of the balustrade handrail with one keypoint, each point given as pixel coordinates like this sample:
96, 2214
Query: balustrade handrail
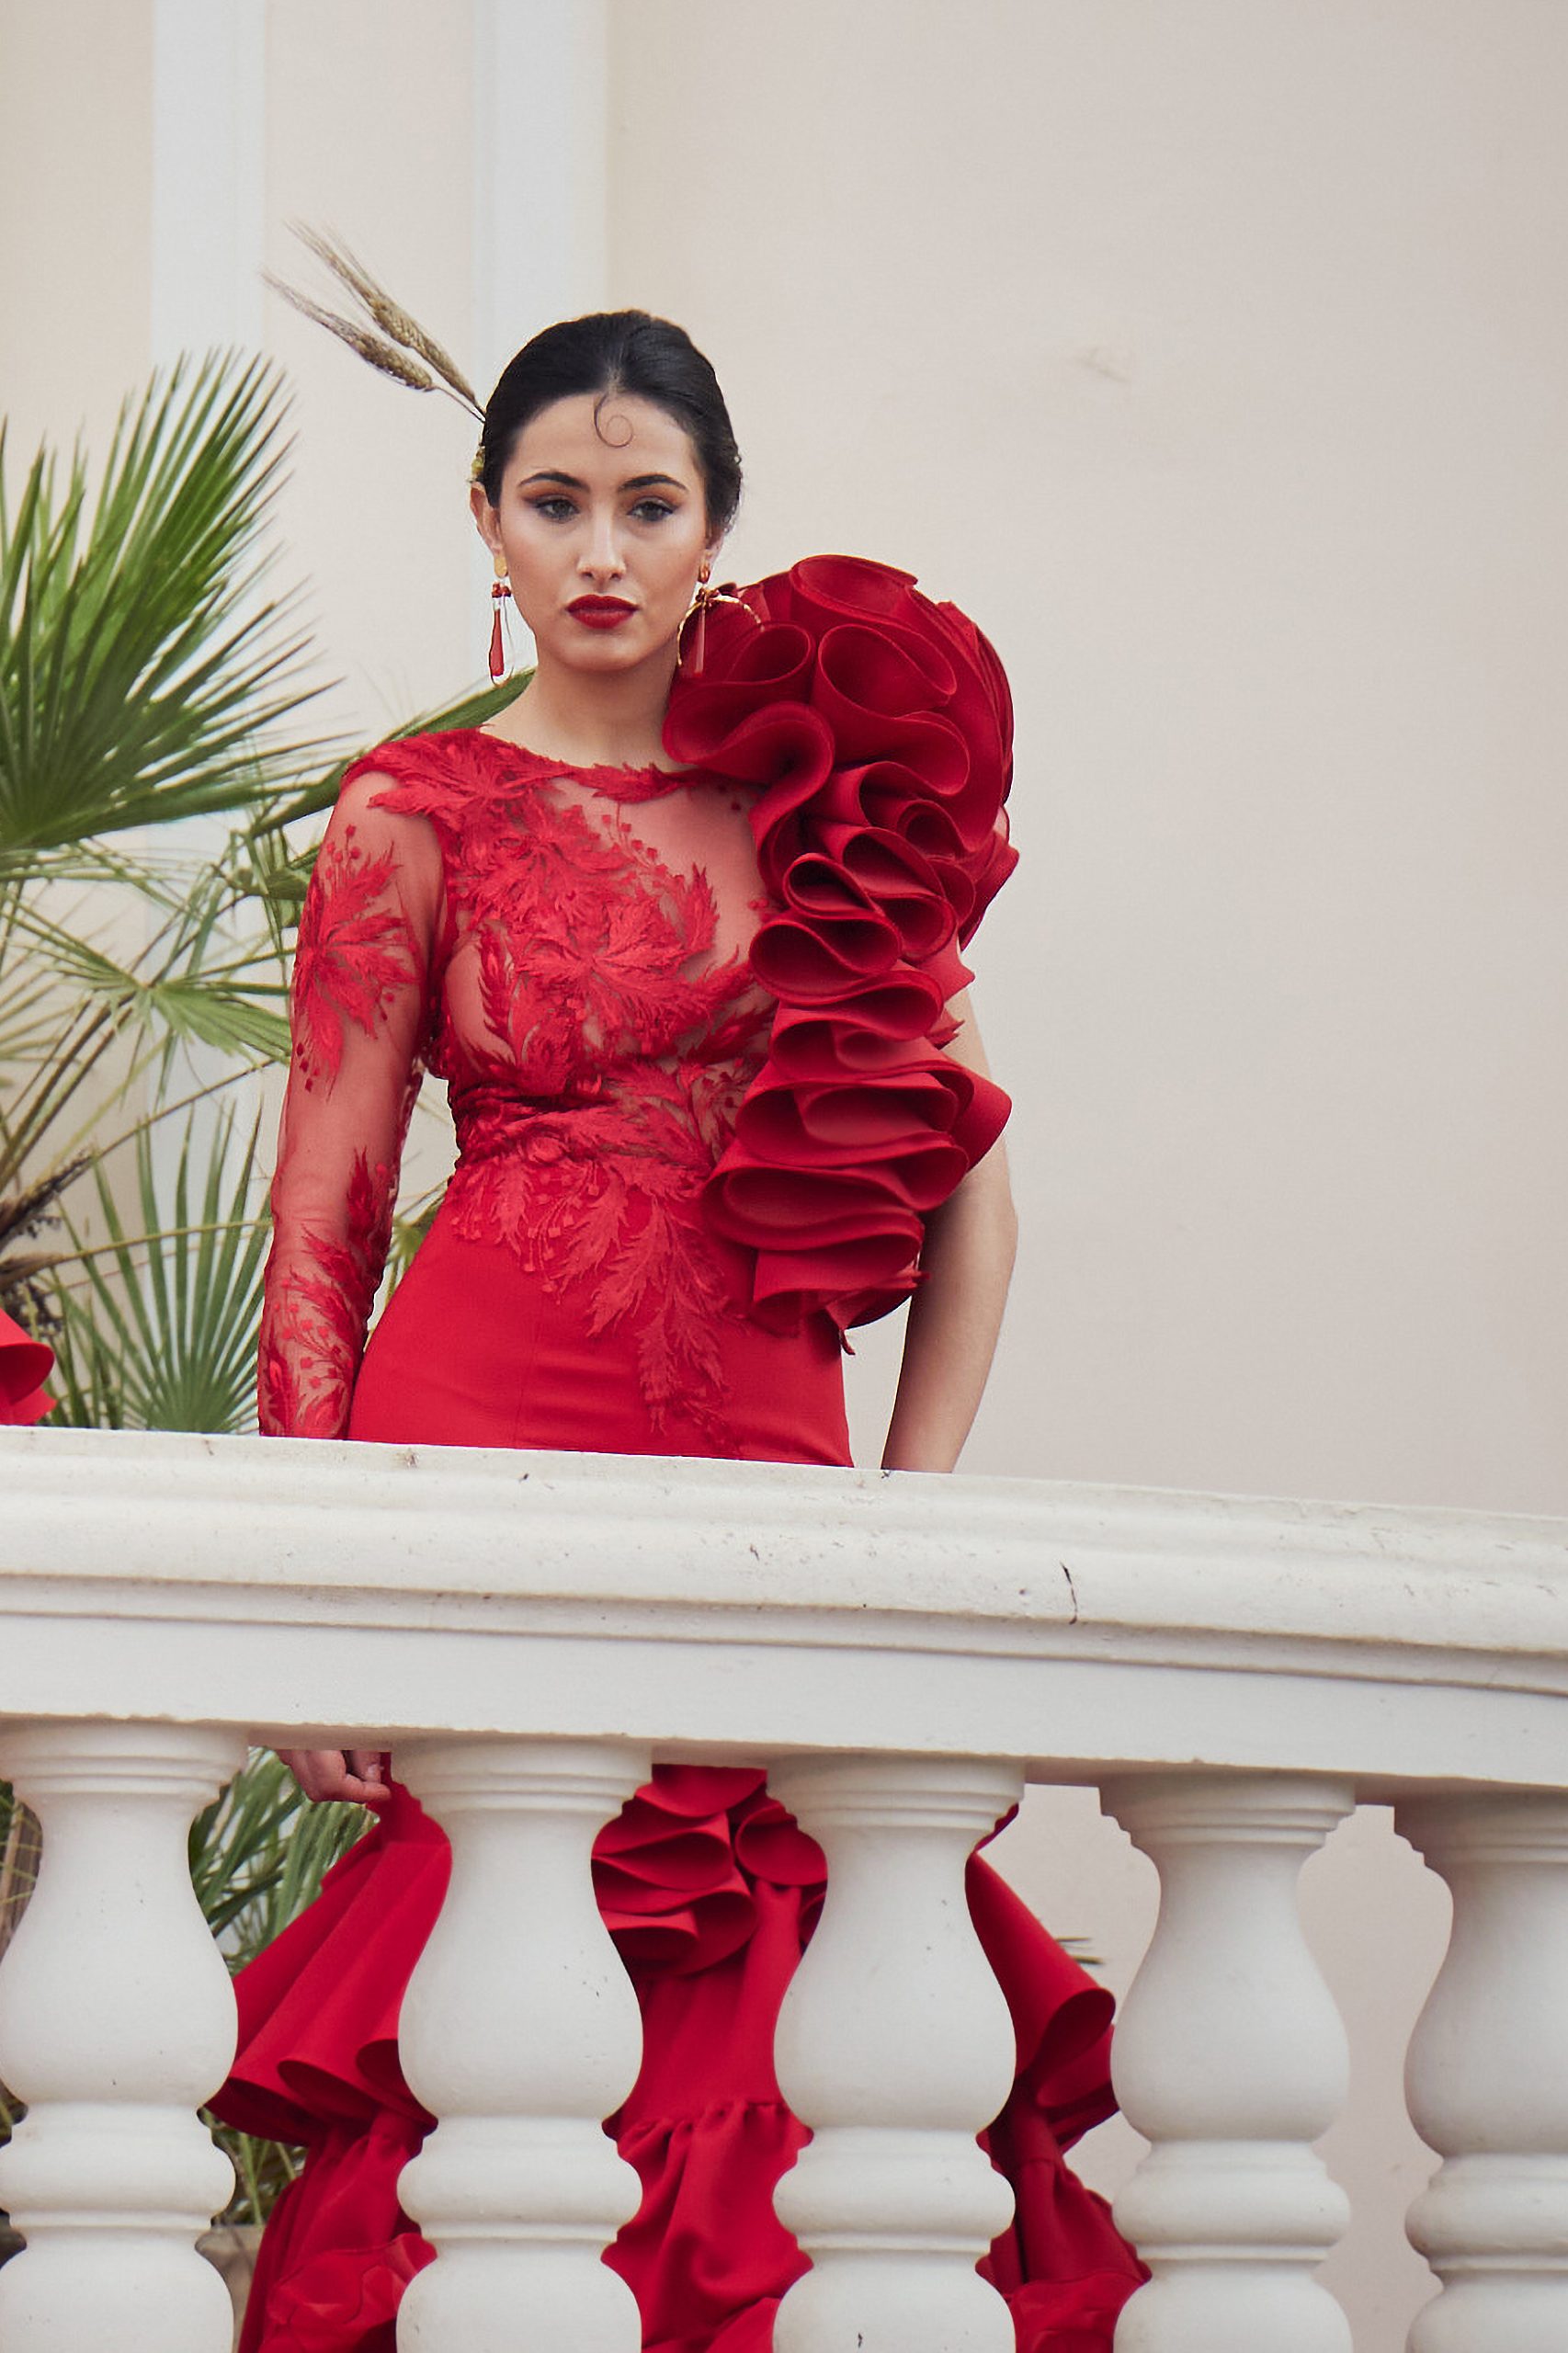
1074, 1627
903, 1652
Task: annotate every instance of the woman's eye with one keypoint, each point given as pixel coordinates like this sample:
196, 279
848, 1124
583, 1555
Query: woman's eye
652, 510
554, 510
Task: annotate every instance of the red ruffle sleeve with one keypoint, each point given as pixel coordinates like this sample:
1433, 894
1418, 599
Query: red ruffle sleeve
877, 726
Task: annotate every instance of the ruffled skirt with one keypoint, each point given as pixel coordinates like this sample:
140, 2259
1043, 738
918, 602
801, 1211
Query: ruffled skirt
711, 1890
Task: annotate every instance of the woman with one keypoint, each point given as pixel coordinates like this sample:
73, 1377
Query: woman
679, 930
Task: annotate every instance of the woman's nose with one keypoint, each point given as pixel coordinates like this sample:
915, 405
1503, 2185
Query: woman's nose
602, 557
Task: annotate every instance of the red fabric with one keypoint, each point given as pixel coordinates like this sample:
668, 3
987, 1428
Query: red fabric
575, 952
25, 1365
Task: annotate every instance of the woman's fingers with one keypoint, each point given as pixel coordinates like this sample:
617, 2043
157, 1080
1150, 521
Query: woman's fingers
367, 1768
358, 1775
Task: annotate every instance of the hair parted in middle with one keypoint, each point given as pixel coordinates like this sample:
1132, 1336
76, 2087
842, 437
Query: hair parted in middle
605, 353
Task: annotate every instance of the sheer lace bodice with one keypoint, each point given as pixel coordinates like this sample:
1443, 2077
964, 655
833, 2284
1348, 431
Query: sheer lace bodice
566, 948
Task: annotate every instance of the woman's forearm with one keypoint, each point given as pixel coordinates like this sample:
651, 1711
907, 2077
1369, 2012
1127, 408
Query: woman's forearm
954, 1318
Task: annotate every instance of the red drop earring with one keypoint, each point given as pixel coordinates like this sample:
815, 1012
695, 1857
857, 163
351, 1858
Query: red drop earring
498, 596
704, 596
700, 604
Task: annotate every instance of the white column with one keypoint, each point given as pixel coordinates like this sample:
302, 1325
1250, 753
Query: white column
209, 175
896, 2047
539, 237
520, 2031
1231, 2057
117, 2021
1487, 2077
540, 227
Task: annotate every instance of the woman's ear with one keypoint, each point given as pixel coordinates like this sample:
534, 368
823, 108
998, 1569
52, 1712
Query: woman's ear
483, 515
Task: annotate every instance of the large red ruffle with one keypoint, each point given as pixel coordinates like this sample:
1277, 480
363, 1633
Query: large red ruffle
25, 1366
879, 726
710, 1890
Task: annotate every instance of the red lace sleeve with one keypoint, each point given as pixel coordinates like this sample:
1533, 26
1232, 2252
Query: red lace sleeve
358, 1015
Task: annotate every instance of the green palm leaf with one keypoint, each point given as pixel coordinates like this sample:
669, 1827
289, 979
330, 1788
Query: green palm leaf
158, 1327
139, 662
258, 1852
467, 711
215, 1004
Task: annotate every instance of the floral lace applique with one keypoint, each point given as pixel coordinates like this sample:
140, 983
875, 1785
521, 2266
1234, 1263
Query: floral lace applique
315, 1333
359, 1013
353, 951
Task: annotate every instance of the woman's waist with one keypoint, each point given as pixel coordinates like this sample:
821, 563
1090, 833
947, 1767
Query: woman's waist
666, 1126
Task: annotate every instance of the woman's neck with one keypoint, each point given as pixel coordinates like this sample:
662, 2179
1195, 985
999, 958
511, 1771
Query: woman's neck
593, 722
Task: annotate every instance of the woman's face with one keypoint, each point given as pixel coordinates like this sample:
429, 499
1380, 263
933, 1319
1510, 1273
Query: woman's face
602, 523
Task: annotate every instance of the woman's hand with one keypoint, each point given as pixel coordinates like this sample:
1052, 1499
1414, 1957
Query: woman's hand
358, 1775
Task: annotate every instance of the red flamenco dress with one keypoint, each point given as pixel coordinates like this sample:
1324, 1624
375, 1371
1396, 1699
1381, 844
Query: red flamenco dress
690, 1024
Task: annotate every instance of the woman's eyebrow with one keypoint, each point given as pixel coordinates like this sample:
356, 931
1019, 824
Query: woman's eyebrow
633, 481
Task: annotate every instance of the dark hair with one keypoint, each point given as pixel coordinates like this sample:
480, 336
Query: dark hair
617, 351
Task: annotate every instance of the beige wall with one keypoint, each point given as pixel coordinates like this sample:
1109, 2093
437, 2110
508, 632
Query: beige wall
369, 131
75, 216
1206, 354
1210, 354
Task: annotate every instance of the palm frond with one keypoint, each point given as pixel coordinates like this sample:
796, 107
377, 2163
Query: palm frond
141, 668
30, 1013
157, 1328
202, 1005
258, 1853
467, 711
192, 981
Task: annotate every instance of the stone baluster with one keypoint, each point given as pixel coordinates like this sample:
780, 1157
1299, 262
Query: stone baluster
1231, 2057
1487, 2076
520, 2031
117, 2021
896, 2047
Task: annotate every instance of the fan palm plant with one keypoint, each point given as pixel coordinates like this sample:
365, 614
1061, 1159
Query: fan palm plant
156, 1328
140, 664
145, 677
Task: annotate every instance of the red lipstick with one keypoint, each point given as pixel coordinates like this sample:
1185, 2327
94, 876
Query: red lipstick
601, 612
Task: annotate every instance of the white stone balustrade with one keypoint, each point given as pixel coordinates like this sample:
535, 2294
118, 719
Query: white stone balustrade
896, 2047
1487, 2076
116, 2022
520, 2031
1230, 2058
526, 1630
